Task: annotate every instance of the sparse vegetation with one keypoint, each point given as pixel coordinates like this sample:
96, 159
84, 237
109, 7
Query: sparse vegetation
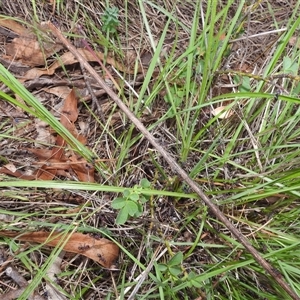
216, 83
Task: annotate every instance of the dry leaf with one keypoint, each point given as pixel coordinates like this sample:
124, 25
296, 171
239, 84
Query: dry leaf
59, 91
26, 49
17, 174
14, 26
84, 171
43, 133
42, 154
11, 167
69, 59
222, 112
53, 163
69, 113
52, 273
294, 41
102, 250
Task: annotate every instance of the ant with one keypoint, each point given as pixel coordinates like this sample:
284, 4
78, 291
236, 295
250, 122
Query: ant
101, 258
83, 247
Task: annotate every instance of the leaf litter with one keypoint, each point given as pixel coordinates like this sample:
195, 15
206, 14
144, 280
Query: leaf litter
57, 162
26, 48
101, 250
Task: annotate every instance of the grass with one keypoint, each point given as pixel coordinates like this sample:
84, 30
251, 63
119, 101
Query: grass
247, 163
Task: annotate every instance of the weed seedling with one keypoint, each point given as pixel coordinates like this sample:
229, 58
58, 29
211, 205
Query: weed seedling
110, 20
131, 203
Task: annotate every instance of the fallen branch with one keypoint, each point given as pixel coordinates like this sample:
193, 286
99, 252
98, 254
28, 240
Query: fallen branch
175, 166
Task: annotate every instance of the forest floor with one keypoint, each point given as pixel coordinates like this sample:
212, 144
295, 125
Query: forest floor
89, 207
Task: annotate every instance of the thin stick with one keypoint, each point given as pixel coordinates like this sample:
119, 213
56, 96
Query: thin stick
88, 47
175, 166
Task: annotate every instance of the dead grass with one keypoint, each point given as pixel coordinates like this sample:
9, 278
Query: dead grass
126, 157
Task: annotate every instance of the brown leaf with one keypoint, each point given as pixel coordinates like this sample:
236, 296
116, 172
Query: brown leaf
69, 111
17, 174
46, 171
54, 162
11, 167
42, 154
69, 115
102, 250
84, 171
294, 41
44, 174
69, 59
59, 91
14, 26
25, 48
43, 133
26, 51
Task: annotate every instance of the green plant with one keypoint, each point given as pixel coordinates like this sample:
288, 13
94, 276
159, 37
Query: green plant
173, 267
110, 19
131, 204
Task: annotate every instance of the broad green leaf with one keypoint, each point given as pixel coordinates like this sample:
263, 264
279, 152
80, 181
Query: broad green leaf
118, 203
194, 281
176, 259
245, 86
175, 271
145, 183
122, 216
143, 199
289, 66
134, 197
126, 193
132, 208
162, 267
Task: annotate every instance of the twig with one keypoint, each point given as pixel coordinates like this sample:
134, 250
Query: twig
88, 47
16, 277
21, 282
175, 166
93, 96
257, 35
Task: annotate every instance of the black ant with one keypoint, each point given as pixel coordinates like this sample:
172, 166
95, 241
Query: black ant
101, 258
83, 247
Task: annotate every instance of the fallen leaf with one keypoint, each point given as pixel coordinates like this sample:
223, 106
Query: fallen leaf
222, 112
43, 133
52, 272
27, 51
14, 26
102, 250
54, 162
84, 171
6, 218
17, 174
59, 91
42, 154
294, 41
69, 59
11, 167
69, 113
25, 48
